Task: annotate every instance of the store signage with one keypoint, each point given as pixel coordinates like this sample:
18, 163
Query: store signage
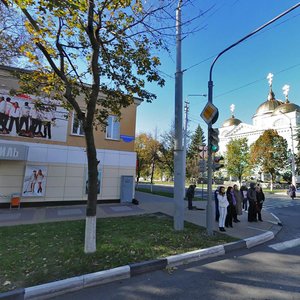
13, 152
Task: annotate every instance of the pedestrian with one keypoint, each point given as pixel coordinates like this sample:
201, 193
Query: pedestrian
260, 196
238, 199
217, 212
251, 195
223, 204
230, 207
190, 193
292, 191
244, 191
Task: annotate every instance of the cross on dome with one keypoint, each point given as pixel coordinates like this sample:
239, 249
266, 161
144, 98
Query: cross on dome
270, 79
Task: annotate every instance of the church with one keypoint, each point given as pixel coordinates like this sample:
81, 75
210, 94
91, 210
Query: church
282, 116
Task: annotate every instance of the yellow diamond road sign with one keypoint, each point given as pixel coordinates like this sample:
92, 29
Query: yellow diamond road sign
208, 112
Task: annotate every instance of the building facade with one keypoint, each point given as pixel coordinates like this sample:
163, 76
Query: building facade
42, 155
282, 116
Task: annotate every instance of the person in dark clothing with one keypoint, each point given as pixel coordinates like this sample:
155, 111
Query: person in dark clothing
217, 212
292, 191
260, 196
244, 191
190, 193
251, 196
230, 208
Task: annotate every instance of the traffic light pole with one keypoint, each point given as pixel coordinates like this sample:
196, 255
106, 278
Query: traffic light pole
209, 205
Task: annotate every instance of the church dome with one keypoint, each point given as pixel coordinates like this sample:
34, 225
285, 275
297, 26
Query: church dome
232, 122
270, 105
286, 108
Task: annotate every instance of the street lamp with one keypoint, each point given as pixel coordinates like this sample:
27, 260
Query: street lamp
209, 209
292, 150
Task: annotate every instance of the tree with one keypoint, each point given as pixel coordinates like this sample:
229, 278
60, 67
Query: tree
107, 43
147, 149
13, 36
237, 158
269, 153
193, 153
166, 151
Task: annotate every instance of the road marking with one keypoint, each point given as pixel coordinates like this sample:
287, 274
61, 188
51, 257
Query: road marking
285, 245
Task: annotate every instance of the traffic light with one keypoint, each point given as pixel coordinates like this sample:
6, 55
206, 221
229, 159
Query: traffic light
216, 163
202, 166
214, 139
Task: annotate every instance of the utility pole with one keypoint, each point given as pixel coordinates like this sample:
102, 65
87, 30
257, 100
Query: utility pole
179, 187
186, 114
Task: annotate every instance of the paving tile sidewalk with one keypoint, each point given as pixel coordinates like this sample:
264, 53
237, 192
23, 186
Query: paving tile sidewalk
148, 203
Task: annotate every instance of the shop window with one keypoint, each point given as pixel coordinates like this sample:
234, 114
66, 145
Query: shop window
113, 128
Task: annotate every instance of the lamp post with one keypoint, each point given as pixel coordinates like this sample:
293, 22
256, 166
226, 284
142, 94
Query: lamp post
292, 150
209, 210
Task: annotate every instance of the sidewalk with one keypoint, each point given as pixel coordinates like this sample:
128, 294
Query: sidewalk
249, 235
148, 203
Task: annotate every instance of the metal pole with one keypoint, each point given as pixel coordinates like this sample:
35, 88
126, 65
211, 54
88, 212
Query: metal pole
209, 211
209, 208
186, 110
178, 151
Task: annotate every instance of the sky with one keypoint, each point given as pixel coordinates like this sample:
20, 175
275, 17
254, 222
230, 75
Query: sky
240, 75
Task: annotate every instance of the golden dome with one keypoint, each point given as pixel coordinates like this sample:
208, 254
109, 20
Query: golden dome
270, 105
232, 122
286, 108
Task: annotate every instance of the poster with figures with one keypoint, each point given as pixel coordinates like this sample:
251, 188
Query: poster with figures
21, 116
34, 184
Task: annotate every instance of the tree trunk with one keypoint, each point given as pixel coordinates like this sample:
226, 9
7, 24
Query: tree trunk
91, 210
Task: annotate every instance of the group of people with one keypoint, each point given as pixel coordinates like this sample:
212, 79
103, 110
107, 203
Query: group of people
230, 203
27, 120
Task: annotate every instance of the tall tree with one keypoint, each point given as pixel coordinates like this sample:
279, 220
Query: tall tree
193, 153
166, 157
237, 158
269, 153
147, 148
108, 43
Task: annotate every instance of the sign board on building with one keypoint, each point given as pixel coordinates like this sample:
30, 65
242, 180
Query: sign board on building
13, 152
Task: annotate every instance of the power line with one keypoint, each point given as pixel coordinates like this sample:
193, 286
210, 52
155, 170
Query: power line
256, 81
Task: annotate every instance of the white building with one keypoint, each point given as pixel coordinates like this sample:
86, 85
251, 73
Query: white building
282, 116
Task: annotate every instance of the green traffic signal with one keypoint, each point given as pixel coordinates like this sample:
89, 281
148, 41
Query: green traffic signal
214, 148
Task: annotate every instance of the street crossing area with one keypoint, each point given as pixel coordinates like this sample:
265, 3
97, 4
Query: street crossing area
270, 204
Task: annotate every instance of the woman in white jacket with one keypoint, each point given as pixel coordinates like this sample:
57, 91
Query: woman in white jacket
223, 203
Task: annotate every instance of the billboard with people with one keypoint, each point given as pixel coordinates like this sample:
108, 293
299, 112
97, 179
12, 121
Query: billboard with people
31, 117
34, 184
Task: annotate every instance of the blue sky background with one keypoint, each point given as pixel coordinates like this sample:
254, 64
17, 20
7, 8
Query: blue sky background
239, 75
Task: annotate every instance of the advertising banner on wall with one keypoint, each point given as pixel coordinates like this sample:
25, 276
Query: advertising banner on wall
34, 184
21, 116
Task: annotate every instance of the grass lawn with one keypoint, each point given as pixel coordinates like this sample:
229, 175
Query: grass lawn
162, 193
40, 253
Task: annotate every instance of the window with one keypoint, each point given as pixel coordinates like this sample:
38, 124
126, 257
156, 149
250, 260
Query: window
113, 128
76, 126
